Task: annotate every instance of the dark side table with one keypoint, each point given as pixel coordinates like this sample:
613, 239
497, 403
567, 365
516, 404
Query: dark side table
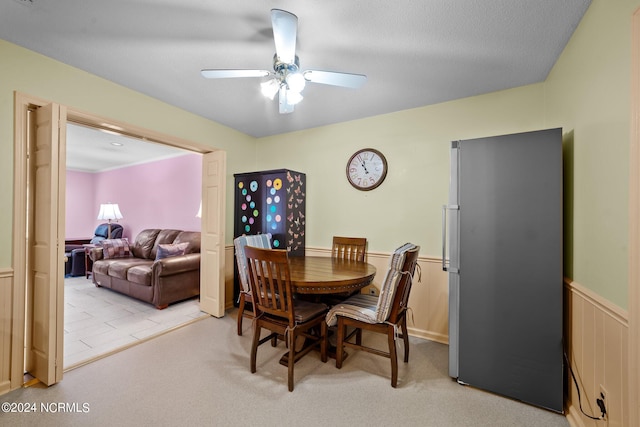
88, 263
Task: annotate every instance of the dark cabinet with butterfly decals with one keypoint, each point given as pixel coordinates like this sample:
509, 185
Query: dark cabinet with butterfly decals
271, 202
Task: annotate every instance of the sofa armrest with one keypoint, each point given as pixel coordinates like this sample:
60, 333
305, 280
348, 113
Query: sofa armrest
96, 253
176, 264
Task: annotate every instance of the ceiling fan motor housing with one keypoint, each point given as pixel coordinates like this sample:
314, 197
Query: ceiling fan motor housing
284, 70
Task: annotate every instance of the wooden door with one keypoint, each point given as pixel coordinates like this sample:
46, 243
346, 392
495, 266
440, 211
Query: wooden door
45, 279
212, 264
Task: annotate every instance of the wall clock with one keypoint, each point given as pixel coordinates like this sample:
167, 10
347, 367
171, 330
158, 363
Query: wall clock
366, 169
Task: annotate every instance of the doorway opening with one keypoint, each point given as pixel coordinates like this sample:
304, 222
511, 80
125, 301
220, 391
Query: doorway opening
99, 321
37, 304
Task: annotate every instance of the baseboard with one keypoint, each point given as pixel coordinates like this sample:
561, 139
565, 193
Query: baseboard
427, 335
572, 414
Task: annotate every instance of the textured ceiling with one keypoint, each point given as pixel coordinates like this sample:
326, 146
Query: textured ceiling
92, 150
414, 53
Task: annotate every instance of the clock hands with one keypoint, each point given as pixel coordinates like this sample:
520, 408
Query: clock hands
364, 167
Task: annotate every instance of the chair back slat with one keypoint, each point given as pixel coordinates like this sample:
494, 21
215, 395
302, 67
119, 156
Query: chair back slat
271, 282
352, 248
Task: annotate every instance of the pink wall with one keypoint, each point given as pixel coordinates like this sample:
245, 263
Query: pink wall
81, 210
161, 194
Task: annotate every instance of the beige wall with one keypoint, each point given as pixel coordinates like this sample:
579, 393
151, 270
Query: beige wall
407, 206
587, 93
28, 72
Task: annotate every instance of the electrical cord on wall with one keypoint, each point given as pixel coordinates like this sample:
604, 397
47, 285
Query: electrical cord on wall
600, 402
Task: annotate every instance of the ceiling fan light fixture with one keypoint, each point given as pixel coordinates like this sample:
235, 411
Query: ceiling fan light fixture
270, 88
287, 79
295, 81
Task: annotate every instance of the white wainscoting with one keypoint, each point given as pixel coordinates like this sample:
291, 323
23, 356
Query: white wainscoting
597, 344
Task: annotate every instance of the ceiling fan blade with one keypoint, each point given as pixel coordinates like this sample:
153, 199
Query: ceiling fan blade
285, 27
335, 79
223, 74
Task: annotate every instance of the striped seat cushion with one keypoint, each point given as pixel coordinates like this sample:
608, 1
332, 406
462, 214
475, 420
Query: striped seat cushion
390, 283
259, 241
368, 308
359, 307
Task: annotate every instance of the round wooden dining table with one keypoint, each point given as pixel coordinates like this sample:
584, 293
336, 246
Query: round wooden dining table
325, 275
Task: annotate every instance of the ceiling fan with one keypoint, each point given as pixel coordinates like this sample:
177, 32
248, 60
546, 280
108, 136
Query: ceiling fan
288, 80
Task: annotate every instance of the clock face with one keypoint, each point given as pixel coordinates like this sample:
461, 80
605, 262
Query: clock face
366, 169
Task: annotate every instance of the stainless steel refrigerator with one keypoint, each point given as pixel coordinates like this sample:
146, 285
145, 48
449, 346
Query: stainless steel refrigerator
502, 248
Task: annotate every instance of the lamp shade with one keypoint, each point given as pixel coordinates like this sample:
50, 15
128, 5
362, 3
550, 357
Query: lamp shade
270, 88
109, 211
199, 214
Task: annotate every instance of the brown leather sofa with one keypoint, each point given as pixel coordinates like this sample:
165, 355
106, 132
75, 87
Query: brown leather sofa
139, 275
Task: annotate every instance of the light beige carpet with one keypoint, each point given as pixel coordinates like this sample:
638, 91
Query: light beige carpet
199, 375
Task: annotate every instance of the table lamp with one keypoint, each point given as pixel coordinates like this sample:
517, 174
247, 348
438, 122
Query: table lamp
109, 211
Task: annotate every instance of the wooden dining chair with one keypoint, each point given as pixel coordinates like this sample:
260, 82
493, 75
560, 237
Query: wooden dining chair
384, 314
278, 312
245, 297
354, 248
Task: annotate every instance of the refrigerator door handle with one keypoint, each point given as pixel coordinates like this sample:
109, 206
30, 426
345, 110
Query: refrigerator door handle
445, 208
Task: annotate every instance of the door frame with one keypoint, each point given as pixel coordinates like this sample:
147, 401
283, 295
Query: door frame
634, 227
23, 103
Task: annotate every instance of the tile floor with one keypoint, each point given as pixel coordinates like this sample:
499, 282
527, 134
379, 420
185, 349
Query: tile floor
98, 321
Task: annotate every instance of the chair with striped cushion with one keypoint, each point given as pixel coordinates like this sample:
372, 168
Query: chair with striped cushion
278, 312
383, 314
258, 241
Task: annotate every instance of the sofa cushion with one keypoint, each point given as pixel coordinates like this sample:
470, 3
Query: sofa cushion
140, 274
115, 248
164, 237
144, 243
171, 249
120, 267
102, 266
193, 238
